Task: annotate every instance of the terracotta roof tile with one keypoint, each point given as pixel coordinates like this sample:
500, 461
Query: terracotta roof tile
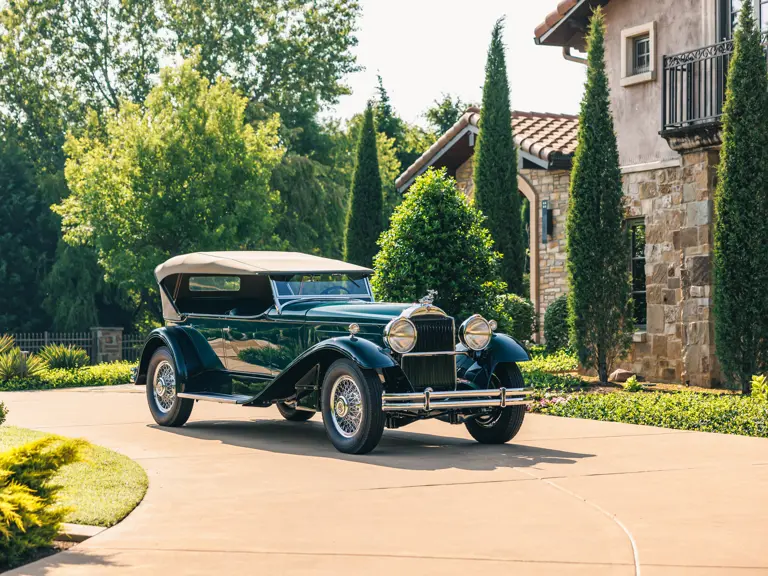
540, 134
554, 17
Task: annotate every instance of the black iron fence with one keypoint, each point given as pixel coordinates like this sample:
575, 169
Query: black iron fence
694, 86
32, 342
132, 346
129, 349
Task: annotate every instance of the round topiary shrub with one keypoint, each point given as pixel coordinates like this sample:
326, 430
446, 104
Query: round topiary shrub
437, 241
516, 317
556, 324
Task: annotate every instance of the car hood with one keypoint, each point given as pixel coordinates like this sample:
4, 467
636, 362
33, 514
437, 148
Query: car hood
363, 312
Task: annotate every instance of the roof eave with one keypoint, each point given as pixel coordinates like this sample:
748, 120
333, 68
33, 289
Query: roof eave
570, 30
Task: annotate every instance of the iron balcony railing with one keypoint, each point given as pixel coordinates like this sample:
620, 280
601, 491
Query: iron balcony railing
693, 86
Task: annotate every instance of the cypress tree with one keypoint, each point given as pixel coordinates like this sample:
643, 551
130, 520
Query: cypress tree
496, 192
364, 219
741, 209
599, 300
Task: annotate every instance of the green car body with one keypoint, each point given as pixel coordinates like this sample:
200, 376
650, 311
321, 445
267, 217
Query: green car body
265, 351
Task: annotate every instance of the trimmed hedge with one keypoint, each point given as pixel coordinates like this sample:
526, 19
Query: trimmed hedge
516, 316
560, 361
3, 413
556, 324
723, 413
100, 375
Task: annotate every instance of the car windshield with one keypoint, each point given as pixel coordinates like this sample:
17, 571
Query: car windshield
321, 286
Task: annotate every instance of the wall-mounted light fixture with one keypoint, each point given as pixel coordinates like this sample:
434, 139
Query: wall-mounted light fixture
547, 222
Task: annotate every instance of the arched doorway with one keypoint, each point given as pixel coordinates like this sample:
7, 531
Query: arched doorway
527, 190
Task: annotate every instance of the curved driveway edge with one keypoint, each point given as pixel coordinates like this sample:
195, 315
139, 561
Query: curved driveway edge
239, 491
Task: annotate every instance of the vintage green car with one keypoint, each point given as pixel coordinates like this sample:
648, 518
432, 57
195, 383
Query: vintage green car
304, 333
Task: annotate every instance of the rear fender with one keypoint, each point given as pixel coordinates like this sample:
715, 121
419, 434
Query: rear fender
190, 350
478, 367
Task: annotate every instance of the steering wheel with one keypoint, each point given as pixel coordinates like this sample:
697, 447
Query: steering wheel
338, 288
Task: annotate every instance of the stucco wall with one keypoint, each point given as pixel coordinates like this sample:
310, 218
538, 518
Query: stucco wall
680, 25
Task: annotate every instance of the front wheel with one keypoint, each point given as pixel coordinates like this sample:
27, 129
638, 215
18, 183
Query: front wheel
351, 405
502, 424
166, 407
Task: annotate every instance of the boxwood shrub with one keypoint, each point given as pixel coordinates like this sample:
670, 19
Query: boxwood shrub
516, 316
556, 324
109, 374
723, 413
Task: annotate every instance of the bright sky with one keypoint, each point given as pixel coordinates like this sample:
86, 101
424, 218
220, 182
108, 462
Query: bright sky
423, 48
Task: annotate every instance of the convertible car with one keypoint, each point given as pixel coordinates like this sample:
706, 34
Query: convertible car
305, 334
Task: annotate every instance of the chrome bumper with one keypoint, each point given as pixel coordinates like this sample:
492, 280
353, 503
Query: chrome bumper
134, 374
431, 400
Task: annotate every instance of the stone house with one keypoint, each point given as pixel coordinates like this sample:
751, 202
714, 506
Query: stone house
667, 63
545, 146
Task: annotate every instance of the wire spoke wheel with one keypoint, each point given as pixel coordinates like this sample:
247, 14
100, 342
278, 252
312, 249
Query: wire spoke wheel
346, 406
164, 387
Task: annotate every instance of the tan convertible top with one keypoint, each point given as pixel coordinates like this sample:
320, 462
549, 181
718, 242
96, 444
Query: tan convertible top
253, 263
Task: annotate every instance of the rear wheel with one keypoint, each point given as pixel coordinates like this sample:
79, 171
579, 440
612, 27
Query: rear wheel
166, 407
292, 414
352, 414
502, 424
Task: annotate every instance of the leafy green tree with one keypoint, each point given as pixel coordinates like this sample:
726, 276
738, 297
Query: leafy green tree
287, 56
183, 173
495, 176
437, 241
444, 113
410, 141
741, 208
364, 222
599, 300
27, 231
77, 297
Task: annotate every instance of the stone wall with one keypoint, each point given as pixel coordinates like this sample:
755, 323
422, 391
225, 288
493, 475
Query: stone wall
676, 203
547, 260
552, 186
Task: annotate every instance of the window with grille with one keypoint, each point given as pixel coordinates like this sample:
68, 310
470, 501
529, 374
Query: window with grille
637, 271
642, 55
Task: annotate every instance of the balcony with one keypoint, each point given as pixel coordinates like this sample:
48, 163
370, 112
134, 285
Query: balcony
693, 94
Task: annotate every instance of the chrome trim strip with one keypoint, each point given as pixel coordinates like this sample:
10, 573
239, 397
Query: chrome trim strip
422, 310
431, 400
423, 354
221, 398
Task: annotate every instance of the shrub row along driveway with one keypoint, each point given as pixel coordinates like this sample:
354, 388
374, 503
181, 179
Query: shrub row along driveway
239, 491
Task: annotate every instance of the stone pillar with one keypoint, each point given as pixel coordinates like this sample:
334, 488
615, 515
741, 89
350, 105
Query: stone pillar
107, 344
699, 362
676, 204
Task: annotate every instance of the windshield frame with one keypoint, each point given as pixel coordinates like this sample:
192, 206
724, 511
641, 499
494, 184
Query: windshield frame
282, 301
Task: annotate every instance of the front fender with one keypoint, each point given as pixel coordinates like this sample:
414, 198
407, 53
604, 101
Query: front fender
190, 350
478, 366
364, 353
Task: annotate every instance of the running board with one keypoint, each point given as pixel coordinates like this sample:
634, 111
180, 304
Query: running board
213, 397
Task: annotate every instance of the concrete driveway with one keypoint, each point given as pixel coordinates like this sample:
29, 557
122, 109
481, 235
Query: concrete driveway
240, 491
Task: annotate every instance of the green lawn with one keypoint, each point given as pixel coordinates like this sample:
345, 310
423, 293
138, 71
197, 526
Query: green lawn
101, 489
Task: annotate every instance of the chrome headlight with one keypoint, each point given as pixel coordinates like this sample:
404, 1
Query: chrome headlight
475, 333
400, 335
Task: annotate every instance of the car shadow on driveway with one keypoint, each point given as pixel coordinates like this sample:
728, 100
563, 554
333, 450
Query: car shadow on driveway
398, 448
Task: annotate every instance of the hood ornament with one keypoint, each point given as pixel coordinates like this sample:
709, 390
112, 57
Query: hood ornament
429, 299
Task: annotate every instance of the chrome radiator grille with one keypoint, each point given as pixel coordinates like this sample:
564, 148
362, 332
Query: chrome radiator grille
434, 334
